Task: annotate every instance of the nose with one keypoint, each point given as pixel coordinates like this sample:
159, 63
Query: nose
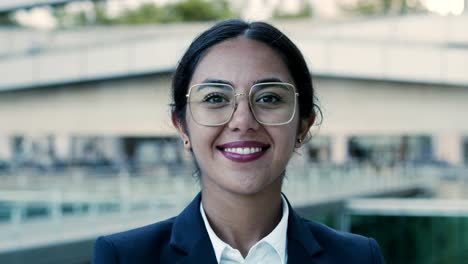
243, 119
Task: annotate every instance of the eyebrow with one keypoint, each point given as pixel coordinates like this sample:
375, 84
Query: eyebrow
264, 80
210, 80
214, 81
267, 80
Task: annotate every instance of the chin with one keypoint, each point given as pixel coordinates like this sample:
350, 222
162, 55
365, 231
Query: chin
251, 185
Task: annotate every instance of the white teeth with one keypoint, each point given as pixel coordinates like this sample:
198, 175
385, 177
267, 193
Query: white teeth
243, 151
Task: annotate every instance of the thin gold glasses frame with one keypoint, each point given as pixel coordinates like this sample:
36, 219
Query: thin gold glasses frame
234, 106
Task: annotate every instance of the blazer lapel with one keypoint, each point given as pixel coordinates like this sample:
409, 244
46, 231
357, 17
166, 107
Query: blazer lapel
189, 235
302, 245
202, 252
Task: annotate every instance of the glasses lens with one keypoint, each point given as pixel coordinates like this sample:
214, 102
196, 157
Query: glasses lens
273, 103
211, 104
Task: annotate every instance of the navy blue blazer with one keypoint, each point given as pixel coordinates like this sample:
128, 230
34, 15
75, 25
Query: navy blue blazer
183, 239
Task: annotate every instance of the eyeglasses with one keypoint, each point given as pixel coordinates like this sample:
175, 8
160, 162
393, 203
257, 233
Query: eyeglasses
213, 104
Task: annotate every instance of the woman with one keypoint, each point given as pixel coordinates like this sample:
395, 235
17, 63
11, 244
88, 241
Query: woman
242, 102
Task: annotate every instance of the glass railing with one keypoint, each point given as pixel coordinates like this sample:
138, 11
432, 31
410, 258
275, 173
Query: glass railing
25, 197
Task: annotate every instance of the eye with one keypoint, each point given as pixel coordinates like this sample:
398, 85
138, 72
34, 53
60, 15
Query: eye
215, 98
268, 99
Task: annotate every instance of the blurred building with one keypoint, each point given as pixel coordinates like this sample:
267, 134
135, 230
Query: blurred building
392, 90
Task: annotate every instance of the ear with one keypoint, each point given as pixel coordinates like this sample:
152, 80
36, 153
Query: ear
181, 131
304, 127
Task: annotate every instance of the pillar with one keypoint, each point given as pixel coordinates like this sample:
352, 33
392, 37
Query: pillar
339, 148
448, 147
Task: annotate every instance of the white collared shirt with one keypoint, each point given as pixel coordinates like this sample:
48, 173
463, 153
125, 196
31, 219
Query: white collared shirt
270, 249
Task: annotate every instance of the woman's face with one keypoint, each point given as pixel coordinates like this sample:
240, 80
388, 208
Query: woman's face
242, 62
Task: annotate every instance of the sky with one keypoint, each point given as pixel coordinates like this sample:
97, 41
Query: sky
254, 9
445, 7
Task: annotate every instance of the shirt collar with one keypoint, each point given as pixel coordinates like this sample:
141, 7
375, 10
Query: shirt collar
277, 238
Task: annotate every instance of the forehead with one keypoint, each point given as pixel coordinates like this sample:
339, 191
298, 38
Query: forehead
241, 61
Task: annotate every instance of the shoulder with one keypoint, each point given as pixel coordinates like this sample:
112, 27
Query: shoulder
143, 244
345, 246
149, 234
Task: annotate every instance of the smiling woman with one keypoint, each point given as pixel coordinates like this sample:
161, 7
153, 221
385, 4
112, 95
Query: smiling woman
242, 102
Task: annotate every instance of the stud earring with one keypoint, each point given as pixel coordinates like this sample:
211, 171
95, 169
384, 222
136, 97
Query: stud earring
186, 142
298, 142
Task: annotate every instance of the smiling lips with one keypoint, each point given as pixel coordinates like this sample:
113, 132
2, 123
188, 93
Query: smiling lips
243, 151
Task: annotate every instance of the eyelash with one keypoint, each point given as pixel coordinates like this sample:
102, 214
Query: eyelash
277, 98
213, 95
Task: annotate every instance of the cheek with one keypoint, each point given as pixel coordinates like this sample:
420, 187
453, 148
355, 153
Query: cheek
202, 138
291, 138
285, 137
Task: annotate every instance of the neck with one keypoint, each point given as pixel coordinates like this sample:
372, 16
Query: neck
242, 220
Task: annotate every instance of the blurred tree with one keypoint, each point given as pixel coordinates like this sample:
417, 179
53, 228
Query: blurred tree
196, 10
100, 15
363, 7
373, 7
62, 17
182, 11
200, 10
146, 13
386, 6
82, 19
306, 11
413, 6
404, 7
